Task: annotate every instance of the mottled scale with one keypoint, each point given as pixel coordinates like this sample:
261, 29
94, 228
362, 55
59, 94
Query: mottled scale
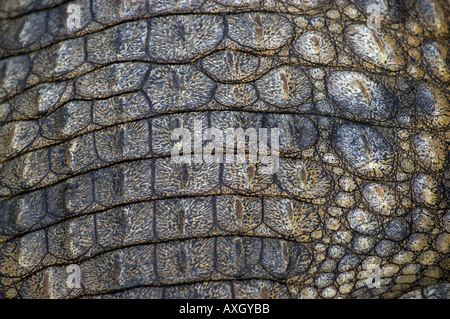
431, 150
436, 59
297, 132
125, 225
245, 178
134, 293
14, 9
77, 155
165, 126
108, 12
185, 261
110, 228
111, 80
15, 137
260, 289
120, 108
315, 47
423, 220
125, 42
375, 46
239, 131
72, 239
363, 222
238, 214
139, 225
164, 6
285, 87
23, 255
13, 75
40, 100
231, 66
53, 62
380, 198
70, 197
304, 179
124, 183
27, 210
125, 141
360, 96
427, 190
49, 283
434, 105
238, 3
291, 218
260, 31
25, 171
179, 38
68, 19
365, 149
434, 17
236, 95
66, 121
120, 269
178, 87
22, 32
137, 266
183, 218
283, 258
306, 4
202, 290
31, 250
182, 179
238, 256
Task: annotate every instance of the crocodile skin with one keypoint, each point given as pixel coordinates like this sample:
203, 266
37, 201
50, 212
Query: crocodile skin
87, 108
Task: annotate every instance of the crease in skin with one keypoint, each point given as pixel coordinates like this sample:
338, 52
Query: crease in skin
367, 161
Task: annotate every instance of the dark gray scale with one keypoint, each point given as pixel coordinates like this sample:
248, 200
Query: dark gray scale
283, 258
434, 105
66, 121
111, 80
230, 65
71, 197
21, 33
181, 38
365, 149
202, 290
173, 179
238, 256
184, 261
397, 229
183, 218
238, 214
125, 42
13, 75
236, 95
297, 132
178, 87
51, 63
260, 31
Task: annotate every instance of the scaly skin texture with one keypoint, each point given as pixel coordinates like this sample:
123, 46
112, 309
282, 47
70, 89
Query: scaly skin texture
86, 113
